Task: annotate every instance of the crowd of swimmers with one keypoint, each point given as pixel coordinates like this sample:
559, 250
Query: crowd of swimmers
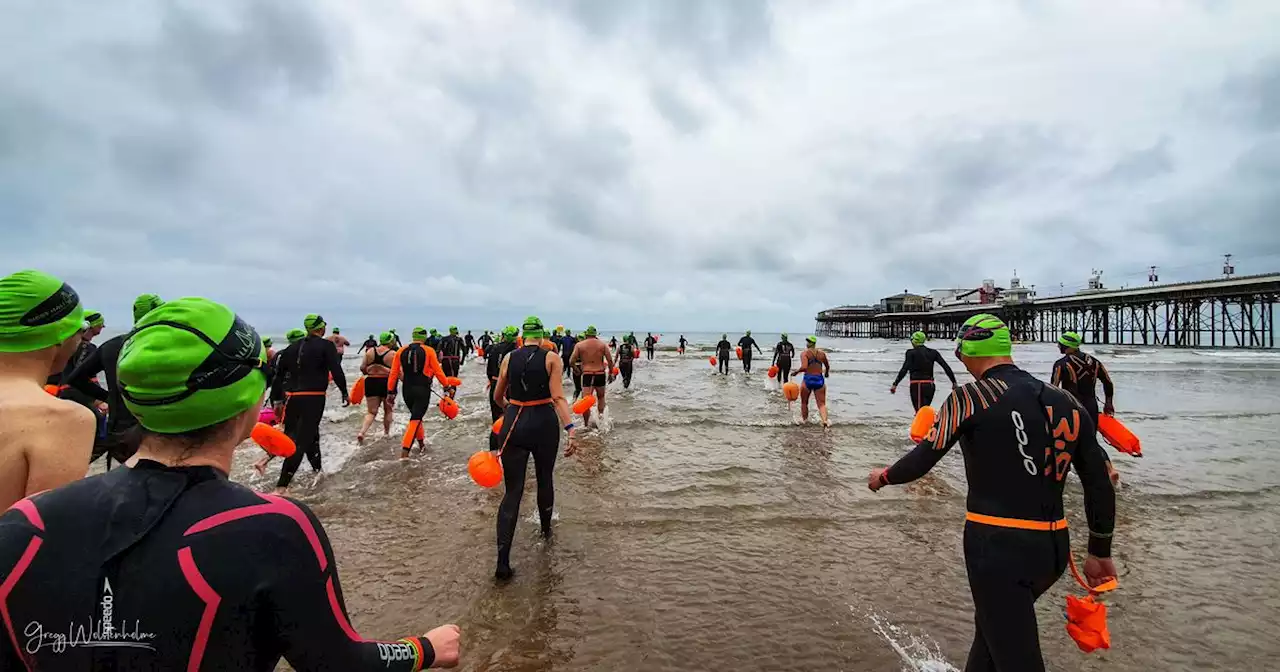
170, 565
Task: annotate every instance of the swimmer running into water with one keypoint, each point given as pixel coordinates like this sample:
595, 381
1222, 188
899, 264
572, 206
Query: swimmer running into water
783, 352
747, 343
1079, 373
919, 362
376, 367
683, 343
339, 341
597, 364
416, 364
816, 368
722, 353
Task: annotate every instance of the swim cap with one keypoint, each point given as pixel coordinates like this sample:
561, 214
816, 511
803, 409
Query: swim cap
510, 333
191, 363
984, 335
144, 304
392, 331
295, 335
37, 311
784, 335
95, 319
533, 327
724, 337
590, 331
337, 330
748, 332
1070, 339
812, 340
313, 322
386, 338
918, 338
453, 330
266, 342
419, 333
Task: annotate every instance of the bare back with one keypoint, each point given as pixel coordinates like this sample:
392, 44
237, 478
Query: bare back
814, 361
45, 442
592, 354
374, 361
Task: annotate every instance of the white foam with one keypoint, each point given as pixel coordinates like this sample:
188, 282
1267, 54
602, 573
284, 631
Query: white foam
919, 653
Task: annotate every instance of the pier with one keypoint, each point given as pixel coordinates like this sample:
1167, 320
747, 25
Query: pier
1233, 312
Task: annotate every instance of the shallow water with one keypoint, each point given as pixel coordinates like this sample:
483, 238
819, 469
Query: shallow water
705, 531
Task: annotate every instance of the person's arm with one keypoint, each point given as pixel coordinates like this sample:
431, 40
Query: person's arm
575, 357
79, 376
311, 623
906, 361
334, 361
433, 365
608, 358
395, 371
63, 443
826, 366
756, 346
1099, 495
278, 375
804, 363
1063, 376
555, 367
946, 430
500, 387
1108, 388
364, 363
946, 368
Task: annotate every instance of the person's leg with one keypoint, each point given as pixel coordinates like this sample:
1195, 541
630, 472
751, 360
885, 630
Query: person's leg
371, 405
388, 407
927, 390
625, 369
577, 384
746, 361
599, 392
515, 461
1007, 573
804, 403
495, 412
417, 398
295, 415
820, 395
544, 462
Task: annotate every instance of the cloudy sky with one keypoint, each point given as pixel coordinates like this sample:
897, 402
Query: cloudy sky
669, 164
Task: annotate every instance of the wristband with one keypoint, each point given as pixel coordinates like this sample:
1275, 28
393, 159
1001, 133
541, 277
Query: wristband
569, 427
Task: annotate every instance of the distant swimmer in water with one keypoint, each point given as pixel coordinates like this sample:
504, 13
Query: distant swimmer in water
493, 366
376, 367
398, 343
919, 363
626, 363
1016, 543
613, 343
683, 343
271, 352
308, 366
470, 340
277, 394
1079, 373
453, 353
530, 389
371, 343
44, 442
178, 567
816, 368
416, 364
485, 341
596, 363
649, 343
567, 344
747, 343
433, 340
723, 348
783, 352
339, 341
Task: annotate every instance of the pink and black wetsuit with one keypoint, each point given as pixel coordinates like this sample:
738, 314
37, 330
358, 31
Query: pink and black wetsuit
176, 568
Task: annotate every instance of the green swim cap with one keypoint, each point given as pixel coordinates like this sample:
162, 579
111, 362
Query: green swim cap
313, 322
144, 304
386, 338
812, 340
918, 338
748, 332
984, 335
784, 335
337, 330
724, 337
266, 342
1070, 339
191, 363
533, 327
419, 333
95, 319
590, 331
295, 335
37, 311
453, 330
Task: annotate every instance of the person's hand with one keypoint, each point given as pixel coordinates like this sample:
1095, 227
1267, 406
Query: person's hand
893, 389
102, 406
571, 446
446, 640
1108, 408
1099, 570
955, 386
875, 480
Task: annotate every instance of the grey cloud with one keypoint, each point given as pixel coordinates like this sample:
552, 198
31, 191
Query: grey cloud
160, 157
1251, 97
676, 109
1141, 165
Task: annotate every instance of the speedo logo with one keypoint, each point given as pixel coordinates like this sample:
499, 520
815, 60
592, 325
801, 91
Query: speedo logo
52, 309
395, 653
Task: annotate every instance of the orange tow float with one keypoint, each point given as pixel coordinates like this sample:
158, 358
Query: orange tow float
357, 391
485, 469
448, 407
585, 404
272, 440
791, 391
1119, 436
922, 423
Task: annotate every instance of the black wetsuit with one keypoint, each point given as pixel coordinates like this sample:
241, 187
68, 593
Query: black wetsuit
485, 341
306, 365
613, 343
782, 354
567, 344
369, 344
683, 343
1079, 374
115, 441
1003, 425
722, 355
471, 342
417, 366
175, 568
747, 343
433, 342
626, 363
919, 363
453, 352
398, 343
493, 366
530, 427
649, 343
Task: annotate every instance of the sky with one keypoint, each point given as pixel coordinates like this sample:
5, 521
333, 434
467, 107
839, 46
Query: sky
655, 165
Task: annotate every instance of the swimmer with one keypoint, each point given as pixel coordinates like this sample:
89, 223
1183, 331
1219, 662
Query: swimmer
398, 343
1079, 373
1015, 537
416, 364
493, 366
370, 343
596, 363
530, 389
683, 343
433, 341
919, 362
567, 344
278, 394
206, 574
649, 343
453, 354
339, 341
626, 363
783, 352
747, 343
85, 351
471, 341
816, 368
722, 353
485, 341
44, 442
613, 343
376, 366
308, 366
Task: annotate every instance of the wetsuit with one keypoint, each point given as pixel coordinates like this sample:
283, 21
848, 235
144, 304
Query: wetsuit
1079, 374
453, 353
433, 342
613, 343
493, 366
747, 343
471, 342
1003, 425
177, 568
683, 343
530, 427
307, 366
567, 344
115, 440
919, 363
369, 344
626, 359
416, 364
398, 343
649, 342
485, 341
722, 354
375, 385
782, 354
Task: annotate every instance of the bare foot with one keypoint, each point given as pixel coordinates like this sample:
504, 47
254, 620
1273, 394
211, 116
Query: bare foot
261, 467
360, 439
